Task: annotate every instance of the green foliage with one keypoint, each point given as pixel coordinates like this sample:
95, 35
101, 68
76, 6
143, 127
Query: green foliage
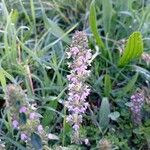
55, 29
114, 115
93, 25
107, 14
104, 113
130, 84
14, 16
133, 49
48, 116
107, 85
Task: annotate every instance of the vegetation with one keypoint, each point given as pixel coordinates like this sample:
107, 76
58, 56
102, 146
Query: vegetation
35, 37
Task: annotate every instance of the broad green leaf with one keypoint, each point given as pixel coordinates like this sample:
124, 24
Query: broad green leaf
107, 85
107, 14
104, 113
7, 75
25, 12
114, 115
93, 25
36, 141
130, 84
133, 49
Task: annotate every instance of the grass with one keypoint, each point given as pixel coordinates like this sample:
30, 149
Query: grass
34, 36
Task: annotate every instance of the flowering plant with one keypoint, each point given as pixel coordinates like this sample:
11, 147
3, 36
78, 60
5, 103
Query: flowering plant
80, 57
24, 118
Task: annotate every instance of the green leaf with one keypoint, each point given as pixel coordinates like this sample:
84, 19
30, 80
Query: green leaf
107, 14
107, 85
48, 119
130, 84
114, 115
93, 25
3, 80
104, 113
36, 141
7, 75
133, 49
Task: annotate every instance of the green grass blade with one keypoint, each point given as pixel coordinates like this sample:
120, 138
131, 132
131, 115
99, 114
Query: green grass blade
107, 15
14, 16
17, 144
33, 12
8, 76
25, 13
107, 85
130, 84
93, 25
55, 29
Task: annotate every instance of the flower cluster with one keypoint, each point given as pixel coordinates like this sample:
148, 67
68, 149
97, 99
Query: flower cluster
146, 57
80, 57
23, 115
137, 101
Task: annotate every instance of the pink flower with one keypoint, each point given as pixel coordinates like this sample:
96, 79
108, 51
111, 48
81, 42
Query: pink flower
34, 115
40, 128
24, 137
15, 124
23, 109
88, 55
76, 127
74, 51
137, 102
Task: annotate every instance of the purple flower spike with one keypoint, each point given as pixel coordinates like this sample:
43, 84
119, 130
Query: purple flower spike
137, 101
24, 137
15, 124
23, 109
78, 90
